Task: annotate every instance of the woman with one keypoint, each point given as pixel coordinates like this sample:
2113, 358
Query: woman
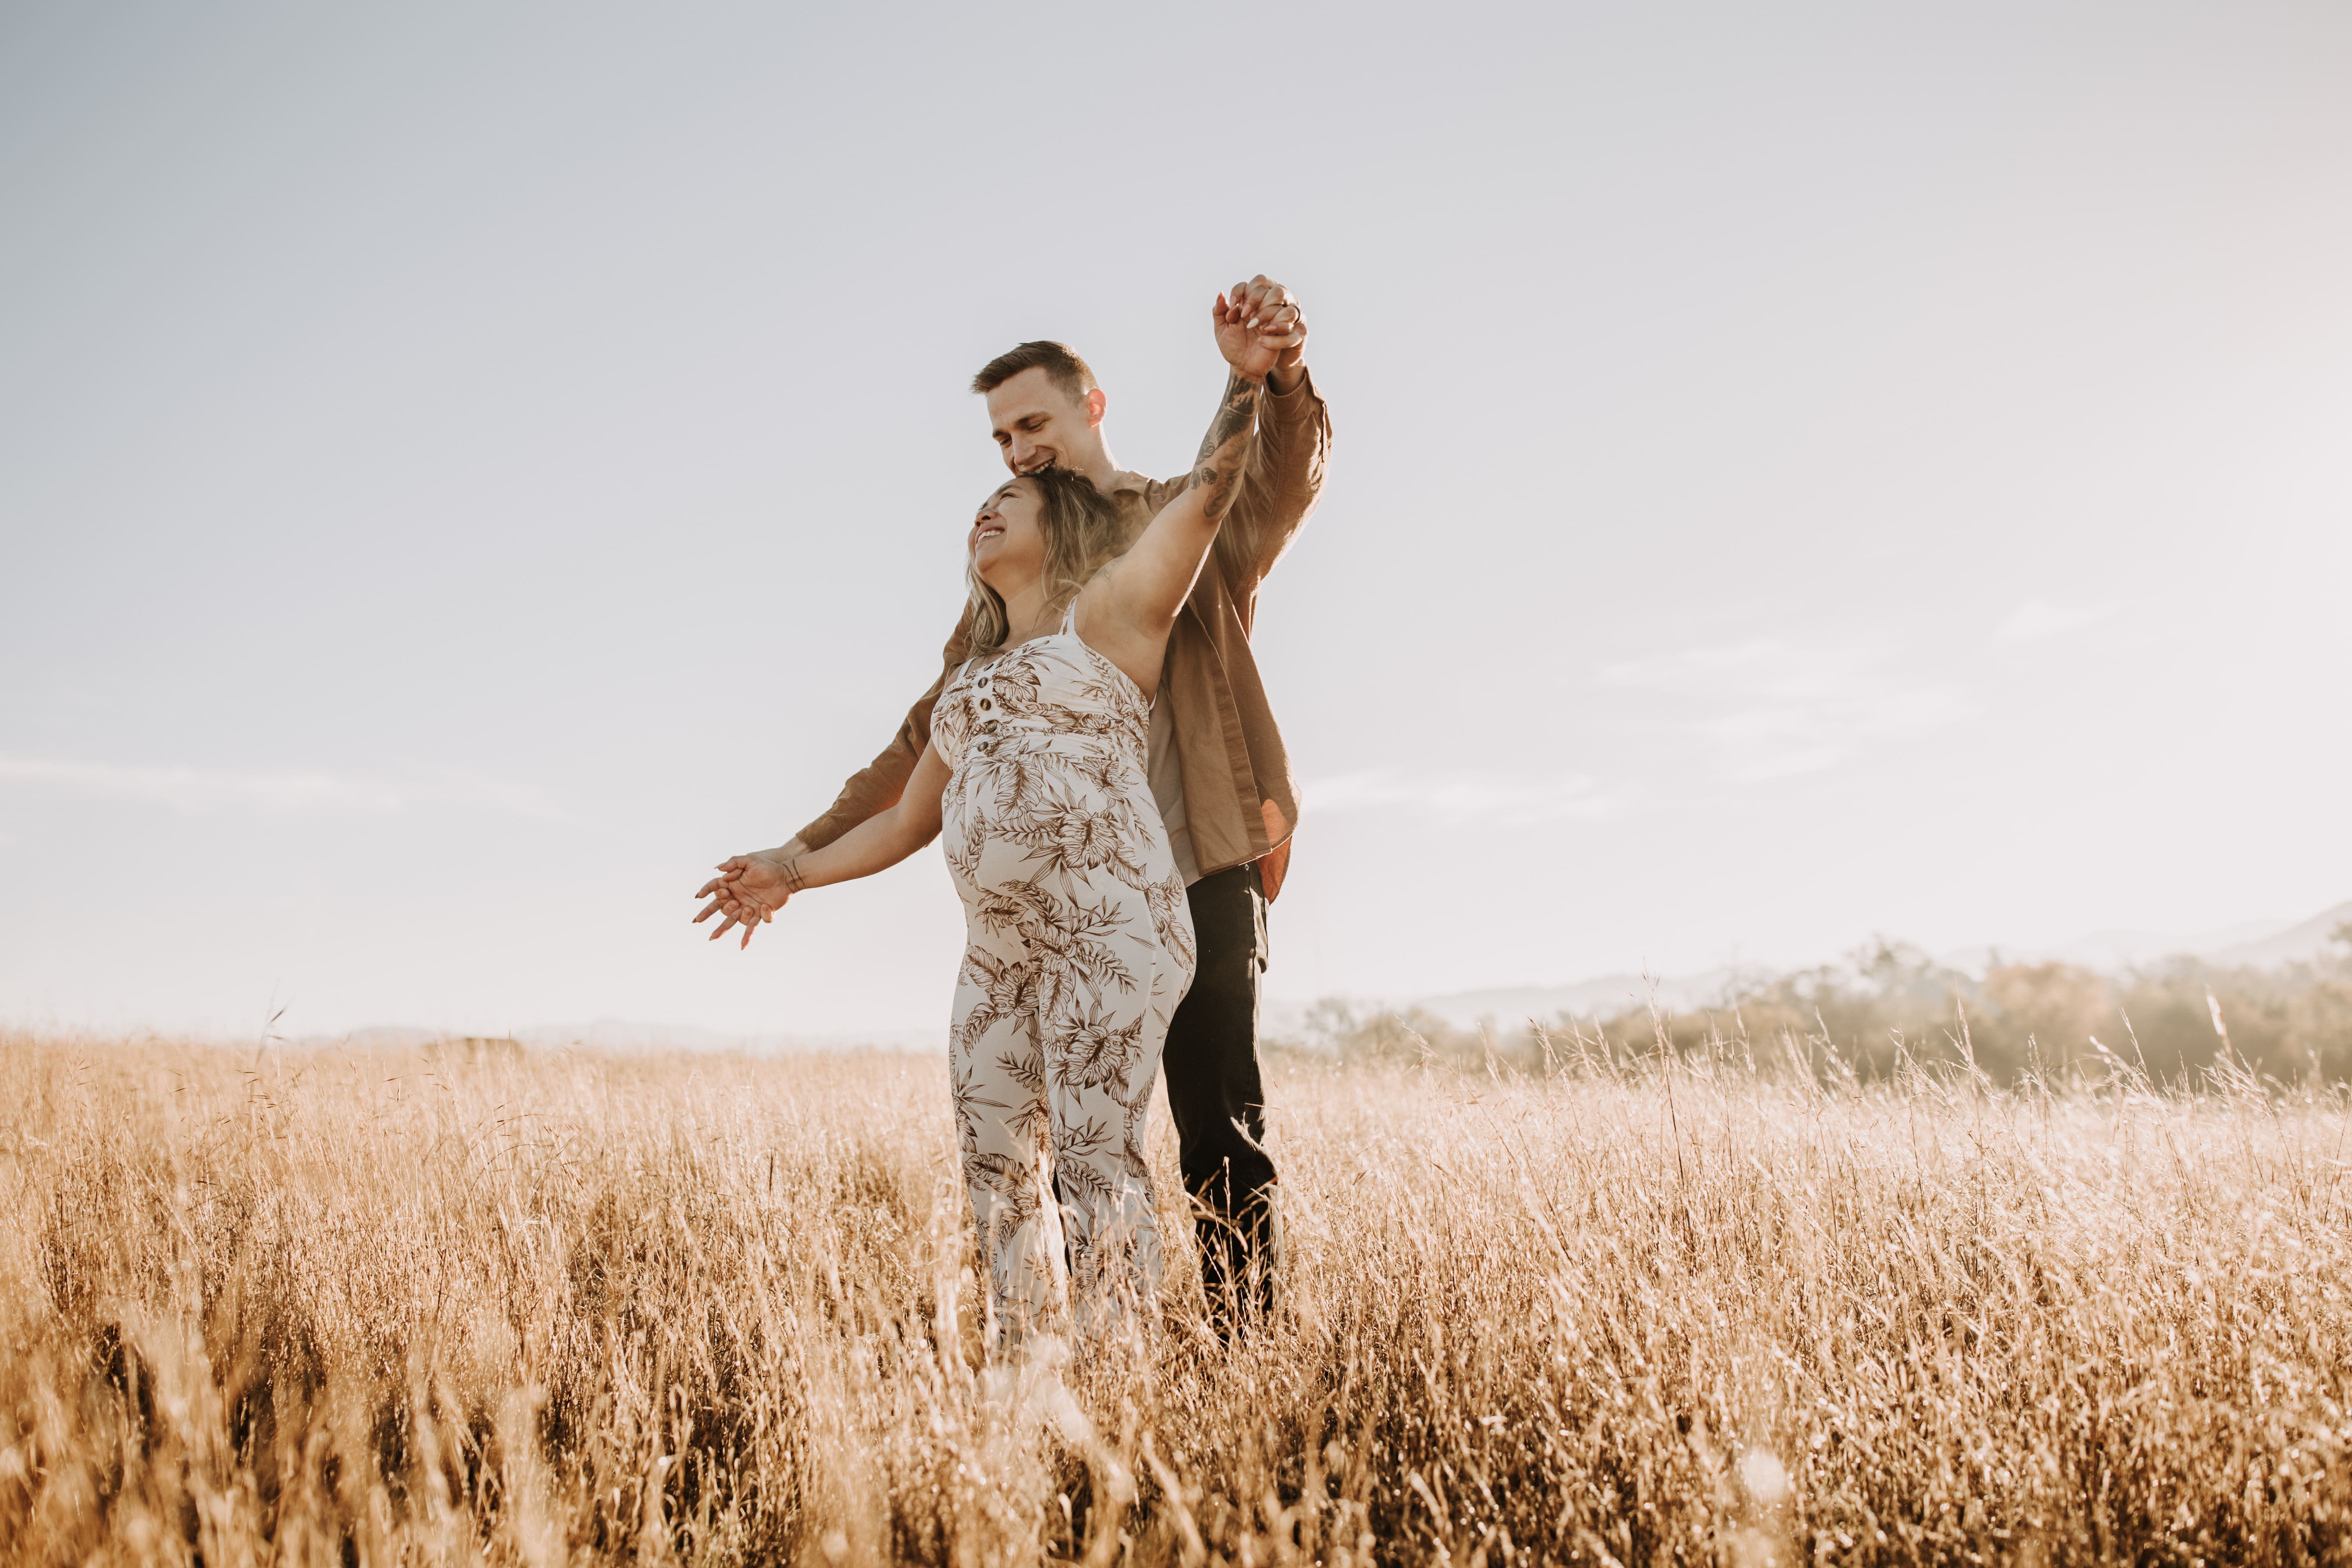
1079, 941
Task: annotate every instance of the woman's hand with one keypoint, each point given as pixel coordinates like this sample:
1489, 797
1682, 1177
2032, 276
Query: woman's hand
790, 850
1258, 328
750, 888
749, 891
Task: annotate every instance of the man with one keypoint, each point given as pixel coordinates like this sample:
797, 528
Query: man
1219, 771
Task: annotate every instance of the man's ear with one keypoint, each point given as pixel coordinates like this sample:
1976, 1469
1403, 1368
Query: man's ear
1096, 404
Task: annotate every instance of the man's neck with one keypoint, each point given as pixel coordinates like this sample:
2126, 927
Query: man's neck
1103, 470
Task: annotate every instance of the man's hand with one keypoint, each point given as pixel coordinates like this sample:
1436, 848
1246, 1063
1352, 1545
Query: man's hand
1261, 334
749, 891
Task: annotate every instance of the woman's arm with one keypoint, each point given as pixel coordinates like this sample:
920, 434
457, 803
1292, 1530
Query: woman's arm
1125, 613
750, 890
881, 841
1145, 588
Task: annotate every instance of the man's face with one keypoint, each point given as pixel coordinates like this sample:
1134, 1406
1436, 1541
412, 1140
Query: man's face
1037, 424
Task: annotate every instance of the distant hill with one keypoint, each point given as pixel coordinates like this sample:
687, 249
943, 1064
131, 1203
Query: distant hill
1605, 997
623, 1035
2254, 944
2112, 952
2298, 943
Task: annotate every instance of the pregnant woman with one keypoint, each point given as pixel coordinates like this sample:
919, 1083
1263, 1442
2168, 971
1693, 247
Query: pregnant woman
1079, 941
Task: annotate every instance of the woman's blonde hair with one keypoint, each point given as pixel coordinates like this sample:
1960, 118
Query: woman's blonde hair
1082, 531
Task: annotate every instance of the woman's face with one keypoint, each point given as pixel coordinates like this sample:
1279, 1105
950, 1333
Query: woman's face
1008, 538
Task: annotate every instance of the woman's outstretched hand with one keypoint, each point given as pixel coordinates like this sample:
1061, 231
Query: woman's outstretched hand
749, 891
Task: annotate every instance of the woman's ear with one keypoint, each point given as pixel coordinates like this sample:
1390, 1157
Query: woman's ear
1096, 402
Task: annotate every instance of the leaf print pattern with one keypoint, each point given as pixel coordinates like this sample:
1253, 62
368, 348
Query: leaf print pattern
1078, 947
1099, 1052
1172, 917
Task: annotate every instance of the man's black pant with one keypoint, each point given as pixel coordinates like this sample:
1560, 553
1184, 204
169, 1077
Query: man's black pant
1217, 1099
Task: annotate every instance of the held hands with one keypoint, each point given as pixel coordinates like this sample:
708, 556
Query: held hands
749, 891
1260, 332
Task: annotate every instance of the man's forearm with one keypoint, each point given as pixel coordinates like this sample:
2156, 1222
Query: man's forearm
877, 786
872, 790
1284, 477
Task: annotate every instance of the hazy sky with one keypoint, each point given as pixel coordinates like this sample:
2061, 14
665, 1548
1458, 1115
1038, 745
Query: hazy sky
1800, 471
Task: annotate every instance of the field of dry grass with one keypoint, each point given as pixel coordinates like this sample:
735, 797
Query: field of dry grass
317, 1307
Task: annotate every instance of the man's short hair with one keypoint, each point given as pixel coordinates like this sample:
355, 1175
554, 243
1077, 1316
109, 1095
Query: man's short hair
1058, 361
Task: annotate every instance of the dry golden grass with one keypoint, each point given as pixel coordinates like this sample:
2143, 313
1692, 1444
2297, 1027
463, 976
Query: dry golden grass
366, 1309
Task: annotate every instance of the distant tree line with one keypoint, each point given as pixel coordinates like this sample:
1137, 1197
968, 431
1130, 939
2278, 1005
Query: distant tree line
1890, 1008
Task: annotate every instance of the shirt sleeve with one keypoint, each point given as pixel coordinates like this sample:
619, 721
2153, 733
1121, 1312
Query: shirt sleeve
876, 787
1281, 486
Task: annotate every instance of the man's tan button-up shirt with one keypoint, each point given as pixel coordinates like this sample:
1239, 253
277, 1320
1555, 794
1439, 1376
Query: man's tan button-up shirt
1231, 790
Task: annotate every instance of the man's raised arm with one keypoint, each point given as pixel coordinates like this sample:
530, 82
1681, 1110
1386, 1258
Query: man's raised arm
1284, 477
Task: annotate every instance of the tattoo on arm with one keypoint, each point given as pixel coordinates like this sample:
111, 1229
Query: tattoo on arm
1217, 472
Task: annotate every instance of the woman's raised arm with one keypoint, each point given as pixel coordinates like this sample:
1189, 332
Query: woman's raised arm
1125, 613
1149, 583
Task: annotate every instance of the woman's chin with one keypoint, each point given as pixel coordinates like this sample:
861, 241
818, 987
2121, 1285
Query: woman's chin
997, 573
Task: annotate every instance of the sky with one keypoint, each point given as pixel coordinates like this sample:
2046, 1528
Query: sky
1799, 472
